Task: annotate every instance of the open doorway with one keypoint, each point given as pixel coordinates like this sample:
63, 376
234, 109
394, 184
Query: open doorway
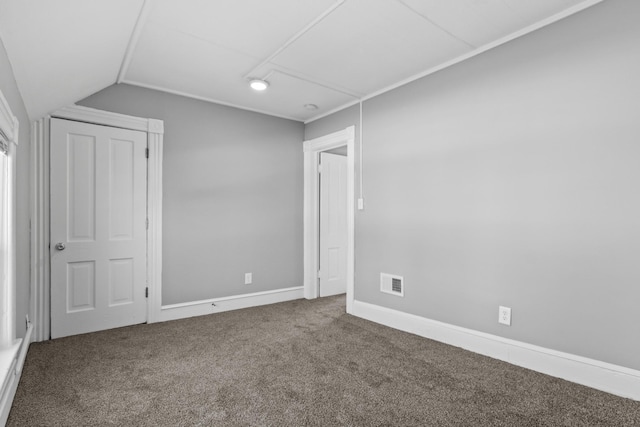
321, 256
332, 234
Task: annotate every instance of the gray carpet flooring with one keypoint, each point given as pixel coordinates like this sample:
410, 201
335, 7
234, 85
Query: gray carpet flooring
299, 363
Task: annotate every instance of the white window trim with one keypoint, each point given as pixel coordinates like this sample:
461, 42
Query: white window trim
40, 273
9, 126
12, 351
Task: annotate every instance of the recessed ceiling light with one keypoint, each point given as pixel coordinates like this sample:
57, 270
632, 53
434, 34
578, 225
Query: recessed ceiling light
311, 107
259, 85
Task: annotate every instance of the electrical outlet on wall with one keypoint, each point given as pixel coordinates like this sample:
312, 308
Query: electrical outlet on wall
504, 315
248, 278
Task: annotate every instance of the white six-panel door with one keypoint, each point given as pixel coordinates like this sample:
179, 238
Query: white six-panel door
98, 227
333, 224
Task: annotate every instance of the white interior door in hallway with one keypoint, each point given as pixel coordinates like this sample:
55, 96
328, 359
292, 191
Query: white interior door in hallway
98, 227
333, 224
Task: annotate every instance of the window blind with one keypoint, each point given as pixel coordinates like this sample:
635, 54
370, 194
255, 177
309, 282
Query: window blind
4, 143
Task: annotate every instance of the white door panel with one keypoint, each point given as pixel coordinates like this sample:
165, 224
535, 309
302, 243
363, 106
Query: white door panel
333, 224
98, 212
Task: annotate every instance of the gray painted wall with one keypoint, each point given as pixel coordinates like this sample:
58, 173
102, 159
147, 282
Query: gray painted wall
512, 179
10, 91
232, 194
333, 123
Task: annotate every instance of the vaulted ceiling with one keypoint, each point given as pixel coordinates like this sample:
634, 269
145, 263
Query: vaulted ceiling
329, 53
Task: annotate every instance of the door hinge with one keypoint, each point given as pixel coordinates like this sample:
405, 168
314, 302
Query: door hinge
319, 274
320, 168
146, 292
147, 223
146, 152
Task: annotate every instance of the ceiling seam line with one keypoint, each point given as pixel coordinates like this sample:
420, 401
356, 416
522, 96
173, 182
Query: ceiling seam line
212, 43
295, 37
312, 81
435, 24
133, 40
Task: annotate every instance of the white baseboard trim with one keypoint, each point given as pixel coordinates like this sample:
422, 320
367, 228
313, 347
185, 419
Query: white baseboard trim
11, 363
218, 305
614, 379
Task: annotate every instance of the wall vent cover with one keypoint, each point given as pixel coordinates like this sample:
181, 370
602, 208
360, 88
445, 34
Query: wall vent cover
396, 285
392, 284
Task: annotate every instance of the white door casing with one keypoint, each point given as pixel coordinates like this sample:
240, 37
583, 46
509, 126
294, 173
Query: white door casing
333, 224
312, 149
98, 227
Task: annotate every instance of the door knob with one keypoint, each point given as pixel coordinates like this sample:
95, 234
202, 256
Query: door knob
60, 246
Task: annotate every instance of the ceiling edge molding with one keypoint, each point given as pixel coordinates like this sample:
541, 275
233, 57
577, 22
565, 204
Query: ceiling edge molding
143, 16
295, 37
333, 111
209, 100
529, 29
